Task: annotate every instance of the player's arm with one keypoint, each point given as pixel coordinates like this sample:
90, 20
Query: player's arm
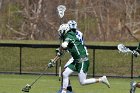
62, 49
53, 61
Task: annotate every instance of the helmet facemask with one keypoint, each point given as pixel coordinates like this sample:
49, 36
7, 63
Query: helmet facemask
63, 29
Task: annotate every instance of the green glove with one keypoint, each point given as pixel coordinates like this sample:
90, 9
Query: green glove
51, 63
59, 52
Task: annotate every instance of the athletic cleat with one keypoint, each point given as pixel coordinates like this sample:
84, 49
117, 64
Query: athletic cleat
105, 81
60, 91
69, 88
132, 86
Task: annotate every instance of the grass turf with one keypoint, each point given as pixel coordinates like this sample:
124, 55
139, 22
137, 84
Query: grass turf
51, 84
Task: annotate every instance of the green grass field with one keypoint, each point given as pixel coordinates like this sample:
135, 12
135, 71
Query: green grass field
51, 84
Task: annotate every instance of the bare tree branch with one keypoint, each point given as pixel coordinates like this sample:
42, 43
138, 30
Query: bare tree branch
1, 3
15, 31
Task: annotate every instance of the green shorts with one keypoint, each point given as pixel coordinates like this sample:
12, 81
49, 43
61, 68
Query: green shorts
78, 66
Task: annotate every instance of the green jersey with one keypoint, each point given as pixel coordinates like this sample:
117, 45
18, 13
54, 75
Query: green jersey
75, 47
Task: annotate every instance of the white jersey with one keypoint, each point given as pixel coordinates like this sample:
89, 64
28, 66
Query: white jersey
79, 35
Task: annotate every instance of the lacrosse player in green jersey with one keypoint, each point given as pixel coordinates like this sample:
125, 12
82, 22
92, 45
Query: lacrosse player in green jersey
80, 62
73, 27
134, 84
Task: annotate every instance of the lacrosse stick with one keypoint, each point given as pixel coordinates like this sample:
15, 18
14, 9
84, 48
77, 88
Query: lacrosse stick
122, 48
28, 86
61, 10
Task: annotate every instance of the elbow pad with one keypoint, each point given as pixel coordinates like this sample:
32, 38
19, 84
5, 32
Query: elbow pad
64, 44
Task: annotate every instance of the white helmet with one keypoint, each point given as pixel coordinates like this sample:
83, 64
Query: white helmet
72, 24
63, 29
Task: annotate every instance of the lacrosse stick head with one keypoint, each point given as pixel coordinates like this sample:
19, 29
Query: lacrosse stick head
26, 88
120, 47
61, 9
123, 49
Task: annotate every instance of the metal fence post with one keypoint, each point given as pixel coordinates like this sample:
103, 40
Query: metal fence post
20, 60
56, 68
93, 62
132, 64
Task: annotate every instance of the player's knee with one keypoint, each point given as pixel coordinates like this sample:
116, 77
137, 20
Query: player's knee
64, 74
82, 82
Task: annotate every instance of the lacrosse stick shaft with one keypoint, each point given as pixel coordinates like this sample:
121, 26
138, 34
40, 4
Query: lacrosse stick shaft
61, 14
28, 87
55, 59
39, 77
61, 9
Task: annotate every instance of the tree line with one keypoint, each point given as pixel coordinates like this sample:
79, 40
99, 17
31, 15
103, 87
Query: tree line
99, 20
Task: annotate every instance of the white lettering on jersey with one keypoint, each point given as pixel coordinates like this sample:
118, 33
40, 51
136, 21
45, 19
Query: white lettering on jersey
79, 35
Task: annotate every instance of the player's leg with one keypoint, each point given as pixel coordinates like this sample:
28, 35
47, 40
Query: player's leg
83, 76
132, 86
84, 81
66, 75
69, 88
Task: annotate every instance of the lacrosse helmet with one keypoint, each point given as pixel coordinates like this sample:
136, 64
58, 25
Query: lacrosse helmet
63, 29
72, 24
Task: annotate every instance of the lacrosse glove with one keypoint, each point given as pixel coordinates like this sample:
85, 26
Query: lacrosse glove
59, 52
51, 63
136, 52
